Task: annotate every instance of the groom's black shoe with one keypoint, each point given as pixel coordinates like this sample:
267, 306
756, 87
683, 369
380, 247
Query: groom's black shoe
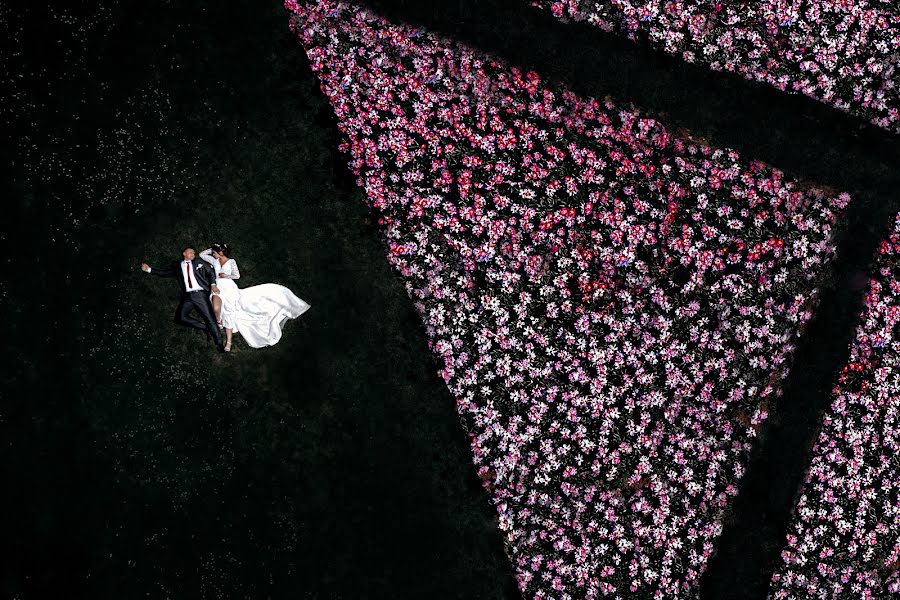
220, 347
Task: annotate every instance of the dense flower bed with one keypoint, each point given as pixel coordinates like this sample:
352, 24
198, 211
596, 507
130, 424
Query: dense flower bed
613, 306
844, 53
845, 539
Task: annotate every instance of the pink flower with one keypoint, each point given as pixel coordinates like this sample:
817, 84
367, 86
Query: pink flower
612, 306
840, 52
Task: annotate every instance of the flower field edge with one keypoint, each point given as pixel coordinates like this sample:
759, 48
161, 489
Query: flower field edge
844, 54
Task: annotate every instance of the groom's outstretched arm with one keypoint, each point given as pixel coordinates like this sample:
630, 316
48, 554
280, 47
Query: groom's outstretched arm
163, 272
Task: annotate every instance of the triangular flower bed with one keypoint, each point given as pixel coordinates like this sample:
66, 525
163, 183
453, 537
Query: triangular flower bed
614, 306
843, 53
845, 538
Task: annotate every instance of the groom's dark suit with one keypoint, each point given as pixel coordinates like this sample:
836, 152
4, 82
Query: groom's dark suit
205, 277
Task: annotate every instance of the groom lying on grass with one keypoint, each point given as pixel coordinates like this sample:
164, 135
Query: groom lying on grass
198, 280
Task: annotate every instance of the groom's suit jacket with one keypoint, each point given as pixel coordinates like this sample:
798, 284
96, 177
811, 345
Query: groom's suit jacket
203, 272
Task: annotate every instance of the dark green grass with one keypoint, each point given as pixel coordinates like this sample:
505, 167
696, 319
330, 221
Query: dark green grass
141, 463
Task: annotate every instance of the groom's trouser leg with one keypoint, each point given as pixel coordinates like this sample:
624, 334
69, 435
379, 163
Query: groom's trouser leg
204, 307
184, 317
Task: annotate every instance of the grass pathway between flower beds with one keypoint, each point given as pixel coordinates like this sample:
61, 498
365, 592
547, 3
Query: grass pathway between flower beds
844, 540
842, 53
753, 538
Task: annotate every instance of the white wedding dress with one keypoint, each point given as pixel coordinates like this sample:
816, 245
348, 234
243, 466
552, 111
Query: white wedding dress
258, 312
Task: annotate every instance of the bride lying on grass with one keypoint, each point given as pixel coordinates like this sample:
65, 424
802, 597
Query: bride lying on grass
258, 312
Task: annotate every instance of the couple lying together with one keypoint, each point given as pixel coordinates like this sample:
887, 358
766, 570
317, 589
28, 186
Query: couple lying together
208, 287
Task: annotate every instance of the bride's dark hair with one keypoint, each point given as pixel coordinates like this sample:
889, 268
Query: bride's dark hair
222, 249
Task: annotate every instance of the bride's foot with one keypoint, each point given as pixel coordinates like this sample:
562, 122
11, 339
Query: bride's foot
228, 347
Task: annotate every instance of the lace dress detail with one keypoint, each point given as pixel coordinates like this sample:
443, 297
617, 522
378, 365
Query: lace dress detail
258, 312
228, 290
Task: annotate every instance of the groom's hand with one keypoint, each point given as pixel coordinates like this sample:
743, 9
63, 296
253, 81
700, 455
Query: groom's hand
145, 267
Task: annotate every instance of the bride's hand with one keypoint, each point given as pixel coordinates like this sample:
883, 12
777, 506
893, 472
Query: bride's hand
145, 267
222, 274
214, 289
